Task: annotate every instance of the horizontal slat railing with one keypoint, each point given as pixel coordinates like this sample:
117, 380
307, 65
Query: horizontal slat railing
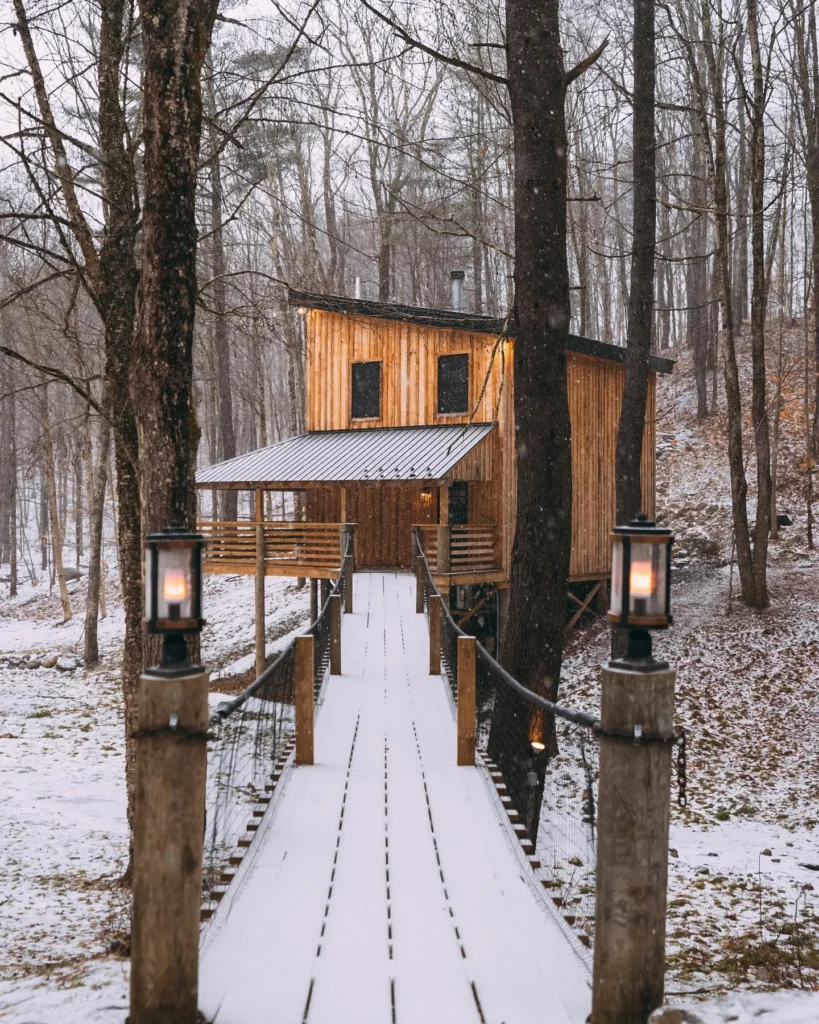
286, 544
472, 548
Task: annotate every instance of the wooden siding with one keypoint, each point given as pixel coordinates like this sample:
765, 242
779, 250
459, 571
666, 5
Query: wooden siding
408, 353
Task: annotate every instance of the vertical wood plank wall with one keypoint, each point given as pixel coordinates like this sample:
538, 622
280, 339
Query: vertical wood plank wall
408, 354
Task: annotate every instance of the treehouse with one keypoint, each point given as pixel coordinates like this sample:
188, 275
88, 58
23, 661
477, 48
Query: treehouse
410, 423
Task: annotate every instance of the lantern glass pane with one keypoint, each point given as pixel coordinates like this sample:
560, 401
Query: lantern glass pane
150, 611
647, 580
175, 590
616, 607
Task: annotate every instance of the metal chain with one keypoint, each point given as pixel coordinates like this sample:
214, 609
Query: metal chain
682, 795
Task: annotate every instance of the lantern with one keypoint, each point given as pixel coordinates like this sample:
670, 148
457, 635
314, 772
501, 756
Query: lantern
173, 593
426, 496
640, 588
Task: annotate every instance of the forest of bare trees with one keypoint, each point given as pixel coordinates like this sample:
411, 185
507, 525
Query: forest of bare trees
369, 149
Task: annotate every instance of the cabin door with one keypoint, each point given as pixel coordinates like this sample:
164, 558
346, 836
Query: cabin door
385, 516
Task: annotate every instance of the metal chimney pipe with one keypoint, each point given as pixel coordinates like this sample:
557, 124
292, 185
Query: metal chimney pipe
457, 280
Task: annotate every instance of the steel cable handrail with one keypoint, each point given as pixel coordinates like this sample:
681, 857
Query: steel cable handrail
568, 714
226, 707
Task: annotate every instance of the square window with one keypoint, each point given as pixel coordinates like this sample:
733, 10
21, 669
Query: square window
453, 383
366, 402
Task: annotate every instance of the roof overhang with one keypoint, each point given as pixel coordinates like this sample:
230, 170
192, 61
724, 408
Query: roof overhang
450, 320
421, 455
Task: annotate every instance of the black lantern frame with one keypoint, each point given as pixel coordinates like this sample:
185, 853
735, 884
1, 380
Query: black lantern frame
173, 560
652, 610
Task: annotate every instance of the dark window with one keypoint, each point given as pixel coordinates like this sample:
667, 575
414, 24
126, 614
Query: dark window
453, 383
459, 504
366, 391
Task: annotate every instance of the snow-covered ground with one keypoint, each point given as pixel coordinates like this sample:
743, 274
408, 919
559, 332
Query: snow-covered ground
63, 834
745, 852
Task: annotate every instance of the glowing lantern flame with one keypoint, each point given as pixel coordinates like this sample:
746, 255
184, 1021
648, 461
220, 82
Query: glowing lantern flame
174, 585
641, 579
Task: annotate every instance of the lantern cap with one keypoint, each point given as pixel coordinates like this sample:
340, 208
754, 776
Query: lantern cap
176, 531
641, 524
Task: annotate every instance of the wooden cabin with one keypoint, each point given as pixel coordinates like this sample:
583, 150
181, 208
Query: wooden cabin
410, 422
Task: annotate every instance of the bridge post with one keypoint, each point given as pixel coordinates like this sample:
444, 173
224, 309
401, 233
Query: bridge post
466, 700
335, 634
304, 698
169, 825
348, 572
634, 805
259, 582
435, 613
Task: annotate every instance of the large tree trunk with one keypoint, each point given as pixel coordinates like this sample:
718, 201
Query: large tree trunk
176, 37
631, 428
532, 647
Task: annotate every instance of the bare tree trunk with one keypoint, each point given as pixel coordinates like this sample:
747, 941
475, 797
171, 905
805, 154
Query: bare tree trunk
227, 432
176, 37
53, 506
95, 577
533, 641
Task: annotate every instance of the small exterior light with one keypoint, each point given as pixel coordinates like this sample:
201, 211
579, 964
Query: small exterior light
640, 588
173, 594
301, 311
538, 747
426, 496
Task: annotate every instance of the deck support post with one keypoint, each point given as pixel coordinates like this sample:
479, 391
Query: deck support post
313, 600
443, 559
467, 652
346, 537
419, 587
304, 697
335, 634
259, 583
325, 593
169, 824
634, 803
435, 614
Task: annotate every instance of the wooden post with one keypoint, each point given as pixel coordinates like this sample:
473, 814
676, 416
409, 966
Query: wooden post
419, 587
435, 614
348, 573
304, 699
169, 825
632, 846
343, 505
466, 700
259, 584
314, 610
443, 556
335, 635
325, 593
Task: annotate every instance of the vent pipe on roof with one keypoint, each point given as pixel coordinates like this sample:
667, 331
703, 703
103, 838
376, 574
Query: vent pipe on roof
457, 279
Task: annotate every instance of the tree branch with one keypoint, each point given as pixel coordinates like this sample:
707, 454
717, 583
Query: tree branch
454, 62
586, 63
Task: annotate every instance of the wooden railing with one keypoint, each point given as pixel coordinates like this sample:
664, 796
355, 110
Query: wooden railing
460, 549
306, 549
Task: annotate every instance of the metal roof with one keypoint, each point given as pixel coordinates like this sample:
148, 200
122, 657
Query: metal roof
342, 456
450, 320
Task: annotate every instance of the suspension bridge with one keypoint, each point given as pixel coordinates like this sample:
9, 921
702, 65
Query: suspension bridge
384, 883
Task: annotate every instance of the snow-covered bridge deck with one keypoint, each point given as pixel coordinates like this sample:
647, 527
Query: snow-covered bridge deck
384, 887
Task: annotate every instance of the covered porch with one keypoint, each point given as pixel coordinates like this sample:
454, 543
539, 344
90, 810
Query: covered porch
377, 485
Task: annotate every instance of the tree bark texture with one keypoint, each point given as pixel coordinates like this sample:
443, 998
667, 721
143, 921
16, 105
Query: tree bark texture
176, 36
53, 512
91, 653
533, 640
631, 428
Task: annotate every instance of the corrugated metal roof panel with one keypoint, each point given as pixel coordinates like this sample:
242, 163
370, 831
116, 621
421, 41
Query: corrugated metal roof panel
343, 456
